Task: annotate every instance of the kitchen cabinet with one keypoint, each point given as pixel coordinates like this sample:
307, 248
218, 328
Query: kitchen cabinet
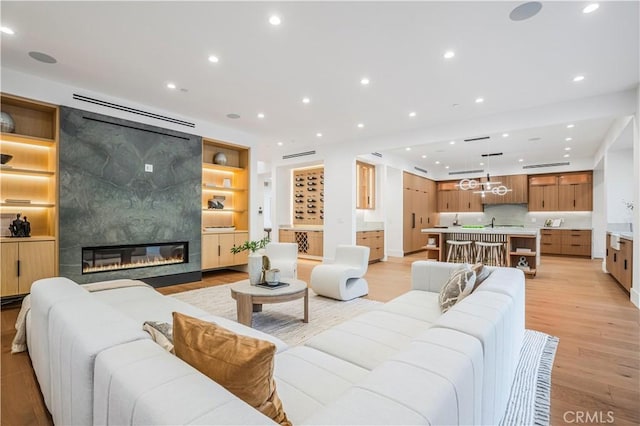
454, 200
419, 210
575, 192
620, 262
25, 260
519, 194
216, 250
543, 193
365, 185
375, 241
310, 242
567, 242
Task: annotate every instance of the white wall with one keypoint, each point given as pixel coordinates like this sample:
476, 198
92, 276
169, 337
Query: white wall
635, 290
393, 224
599, 216
619, 185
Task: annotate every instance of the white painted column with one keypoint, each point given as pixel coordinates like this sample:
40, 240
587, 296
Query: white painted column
340, 202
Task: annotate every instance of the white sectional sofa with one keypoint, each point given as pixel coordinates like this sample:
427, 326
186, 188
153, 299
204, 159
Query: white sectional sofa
404, 363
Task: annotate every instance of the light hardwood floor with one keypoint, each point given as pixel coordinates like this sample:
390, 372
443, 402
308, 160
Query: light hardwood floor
596, 367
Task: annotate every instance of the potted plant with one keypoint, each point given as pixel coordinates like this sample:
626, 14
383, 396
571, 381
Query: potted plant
256, 261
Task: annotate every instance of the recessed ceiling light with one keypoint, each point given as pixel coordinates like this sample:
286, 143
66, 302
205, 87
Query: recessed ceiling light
319, 134
446, 167
280, 144
412, 114
570, 126
364, 81
260, 115
43, 57
521, 160
7, 30
449, 54
525, 11
566, 156
360, 125
306, 100
482, 164
578, 78
233, 116
568, 139
479, 100
408, 148
275, 20
437, 162
505, 135
213, 59
568, 148
452, 142
424, 156
591, 8
171, 86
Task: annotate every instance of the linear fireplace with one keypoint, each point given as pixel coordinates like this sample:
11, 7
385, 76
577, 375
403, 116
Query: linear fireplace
132, 256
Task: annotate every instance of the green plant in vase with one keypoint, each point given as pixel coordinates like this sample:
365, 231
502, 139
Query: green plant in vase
256, 262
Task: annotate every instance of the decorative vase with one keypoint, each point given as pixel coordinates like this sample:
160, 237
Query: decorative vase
220, 158
255, 267
7, 125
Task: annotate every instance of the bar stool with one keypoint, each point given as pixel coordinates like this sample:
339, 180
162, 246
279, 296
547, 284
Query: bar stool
460, 251
490, 253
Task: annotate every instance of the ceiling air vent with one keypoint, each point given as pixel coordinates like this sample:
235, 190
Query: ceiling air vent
420, 169
493, 154
298, 154
540, 166
482, 138
132, 110
464, 172
377, 154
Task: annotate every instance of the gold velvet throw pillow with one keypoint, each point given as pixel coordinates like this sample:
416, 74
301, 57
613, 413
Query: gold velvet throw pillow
242, 364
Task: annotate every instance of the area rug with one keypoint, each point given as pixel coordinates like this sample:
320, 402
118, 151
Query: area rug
530, 399
283, 320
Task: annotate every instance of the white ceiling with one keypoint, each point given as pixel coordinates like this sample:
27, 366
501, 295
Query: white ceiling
321, 50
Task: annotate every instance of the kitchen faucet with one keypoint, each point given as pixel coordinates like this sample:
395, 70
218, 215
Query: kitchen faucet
493, 219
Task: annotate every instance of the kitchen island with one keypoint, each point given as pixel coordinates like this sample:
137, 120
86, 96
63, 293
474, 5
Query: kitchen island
518, 243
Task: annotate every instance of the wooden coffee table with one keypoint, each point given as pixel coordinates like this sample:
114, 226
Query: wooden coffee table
249, 298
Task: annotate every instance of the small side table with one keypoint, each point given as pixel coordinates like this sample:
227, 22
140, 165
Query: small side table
250, 298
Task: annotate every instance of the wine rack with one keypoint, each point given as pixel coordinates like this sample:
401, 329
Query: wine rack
308, 196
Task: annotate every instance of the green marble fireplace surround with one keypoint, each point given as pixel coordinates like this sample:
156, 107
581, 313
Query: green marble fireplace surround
108, 199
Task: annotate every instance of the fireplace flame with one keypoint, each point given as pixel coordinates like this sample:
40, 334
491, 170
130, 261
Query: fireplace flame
141, 263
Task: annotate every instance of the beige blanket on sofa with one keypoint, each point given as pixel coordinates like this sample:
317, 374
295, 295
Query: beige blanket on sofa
19, 343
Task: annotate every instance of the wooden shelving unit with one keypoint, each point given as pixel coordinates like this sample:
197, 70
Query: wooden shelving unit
32, 174
308, 196
230, 181
434, 251
527, 242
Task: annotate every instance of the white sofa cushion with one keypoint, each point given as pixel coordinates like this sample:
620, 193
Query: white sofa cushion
369, 339
308, 379
141, 384
431, 276
417, 304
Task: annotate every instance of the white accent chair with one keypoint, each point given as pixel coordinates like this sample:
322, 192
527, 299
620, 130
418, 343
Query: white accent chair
283, 256
342, 279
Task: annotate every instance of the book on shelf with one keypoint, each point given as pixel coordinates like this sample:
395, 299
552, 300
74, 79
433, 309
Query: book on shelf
524, 268
523, 250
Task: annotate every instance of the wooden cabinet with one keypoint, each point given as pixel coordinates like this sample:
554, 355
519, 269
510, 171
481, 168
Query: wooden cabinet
225, 188
419, 210
523, 246
518, 194
620, 262
575, 192
543, 193
568, 242
25, 261
29, 185
216, 250
454, 200
365, 185
310, 242
308, 196
563, 192
375, 241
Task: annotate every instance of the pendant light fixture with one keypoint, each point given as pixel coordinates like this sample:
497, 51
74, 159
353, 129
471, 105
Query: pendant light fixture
482, 188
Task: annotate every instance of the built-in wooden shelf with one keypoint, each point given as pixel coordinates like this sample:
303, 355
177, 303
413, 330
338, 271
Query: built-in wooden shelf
521, 253
31, 172
224, 210
26, 139
217, 167
26, 205
221, 189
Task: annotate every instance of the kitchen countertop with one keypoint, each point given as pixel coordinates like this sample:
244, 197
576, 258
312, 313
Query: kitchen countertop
506, 230
567, 228
302, 227
625, 235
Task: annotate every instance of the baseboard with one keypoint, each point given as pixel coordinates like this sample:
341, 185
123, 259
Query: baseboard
635, 297
395, 253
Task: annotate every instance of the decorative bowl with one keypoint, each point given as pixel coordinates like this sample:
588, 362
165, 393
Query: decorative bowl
5, 158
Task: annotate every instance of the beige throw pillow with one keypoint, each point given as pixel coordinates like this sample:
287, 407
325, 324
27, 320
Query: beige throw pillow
454, 290
482, 273
161, 333
242, 364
